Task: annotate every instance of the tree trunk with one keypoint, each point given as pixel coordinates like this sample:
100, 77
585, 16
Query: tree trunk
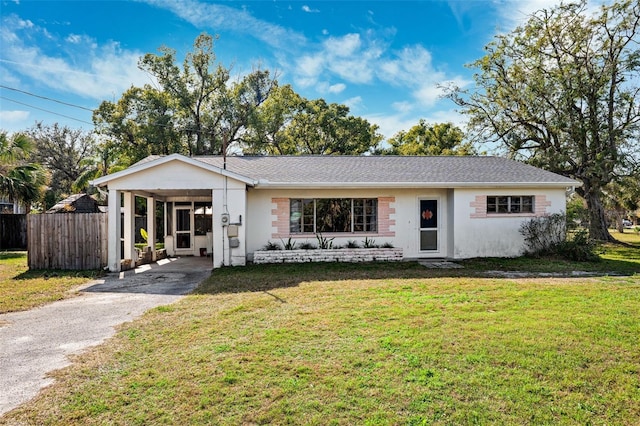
598, 229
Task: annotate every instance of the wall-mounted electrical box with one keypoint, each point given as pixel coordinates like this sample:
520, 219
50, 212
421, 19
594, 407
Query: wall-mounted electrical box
224, 219
234, 242
232, 231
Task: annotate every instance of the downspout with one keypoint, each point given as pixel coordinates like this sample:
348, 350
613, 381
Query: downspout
225, 209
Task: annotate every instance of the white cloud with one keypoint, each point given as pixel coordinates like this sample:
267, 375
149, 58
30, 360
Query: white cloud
307, 9
80, 66
7, 117
402, 106
221, 17
337, 88
514, 13
74, 38
353, 103
346, 57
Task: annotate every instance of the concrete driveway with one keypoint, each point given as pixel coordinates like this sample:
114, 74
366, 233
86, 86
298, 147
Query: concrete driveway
36, 342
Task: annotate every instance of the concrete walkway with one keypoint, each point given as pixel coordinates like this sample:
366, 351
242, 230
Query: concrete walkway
36, 342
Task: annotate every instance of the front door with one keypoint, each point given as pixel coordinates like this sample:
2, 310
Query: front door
184, 230
429, 230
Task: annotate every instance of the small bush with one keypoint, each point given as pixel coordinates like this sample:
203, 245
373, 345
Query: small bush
307, 246
271, 246
289, 245
543, 234
547, 236
369, 243
579, 248
352, 244
387, 245
324, 243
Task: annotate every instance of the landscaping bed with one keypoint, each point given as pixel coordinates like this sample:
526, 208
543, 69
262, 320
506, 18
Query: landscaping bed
328, 255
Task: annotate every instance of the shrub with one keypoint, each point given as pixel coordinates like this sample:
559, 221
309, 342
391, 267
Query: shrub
324, 243
369, 243
352, 244
579, 247
307, 246
387, 245
289, 245
543, 234
547, 236
271, 246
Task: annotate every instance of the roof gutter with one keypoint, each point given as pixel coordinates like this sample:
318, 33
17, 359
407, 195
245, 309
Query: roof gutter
262, 184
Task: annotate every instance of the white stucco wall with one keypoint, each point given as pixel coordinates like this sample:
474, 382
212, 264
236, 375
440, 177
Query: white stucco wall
496, 235
178, 181
260, 217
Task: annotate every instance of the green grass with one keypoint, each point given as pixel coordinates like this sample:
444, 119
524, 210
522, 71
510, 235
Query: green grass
22, 289
372, 344
614, 259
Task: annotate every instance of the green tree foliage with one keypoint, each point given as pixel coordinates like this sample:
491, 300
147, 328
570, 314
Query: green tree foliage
142, 121
429, 139
21, 181
562, 92
266, 134
61, 150
313, 127
194, 109
107, 158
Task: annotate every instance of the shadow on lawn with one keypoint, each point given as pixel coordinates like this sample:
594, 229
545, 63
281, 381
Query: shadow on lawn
57, 273
253, 278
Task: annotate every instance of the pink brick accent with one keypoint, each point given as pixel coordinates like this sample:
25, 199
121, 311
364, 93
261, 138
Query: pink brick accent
384, 217
480, 206
281, 217
540, 204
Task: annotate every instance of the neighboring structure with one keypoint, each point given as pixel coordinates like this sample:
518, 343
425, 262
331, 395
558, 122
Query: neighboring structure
9, 207
77, 203
430, 207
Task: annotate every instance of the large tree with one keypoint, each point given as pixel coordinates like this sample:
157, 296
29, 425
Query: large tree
61, 150
318, 128
429, 139
21, 181
561, 91
194, 108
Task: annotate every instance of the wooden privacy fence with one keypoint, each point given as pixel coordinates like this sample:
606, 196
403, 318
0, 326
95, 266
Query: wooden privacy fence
67, 241
13, 231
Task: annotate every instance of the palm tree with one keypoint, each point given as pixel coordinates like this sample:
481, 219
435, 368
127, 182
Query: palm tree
20, 181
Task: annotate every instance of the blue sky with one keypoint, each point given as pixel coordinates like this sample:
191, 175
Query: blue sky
384, 59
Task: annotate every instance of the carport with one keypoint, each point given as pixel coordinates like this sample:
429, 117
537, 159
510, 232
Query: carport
203, 210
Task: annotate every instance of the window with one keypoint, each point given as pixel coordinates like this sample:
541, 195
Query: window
510, 204
333, 215
203, 219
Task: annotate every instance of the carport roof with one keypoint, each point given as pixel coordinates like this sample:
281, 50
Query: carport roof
371, 171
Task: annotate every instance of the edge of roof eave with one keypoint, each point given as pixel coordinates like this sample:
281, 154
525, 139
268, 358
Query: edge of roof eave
104, 180
399, 185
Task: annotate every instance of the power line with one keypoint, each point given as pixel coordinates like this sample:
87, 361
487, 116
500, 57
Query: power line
45, 98
169, 126
45, 110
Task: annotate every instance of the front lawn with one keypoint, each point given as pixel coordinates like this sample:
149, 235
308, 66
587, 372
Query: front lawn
377, 344
21, 289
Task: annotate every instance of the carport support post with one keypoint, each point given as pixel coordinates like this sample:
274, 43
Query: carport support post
114, 229
151, 226
129, 227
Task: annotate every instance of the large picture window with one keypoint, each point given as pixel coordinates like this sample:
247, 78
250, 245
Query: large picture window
510, 204
333, 215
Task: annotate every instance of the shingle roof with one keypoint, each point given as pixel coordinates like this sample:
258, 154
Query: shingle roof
334, 170
343, 170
